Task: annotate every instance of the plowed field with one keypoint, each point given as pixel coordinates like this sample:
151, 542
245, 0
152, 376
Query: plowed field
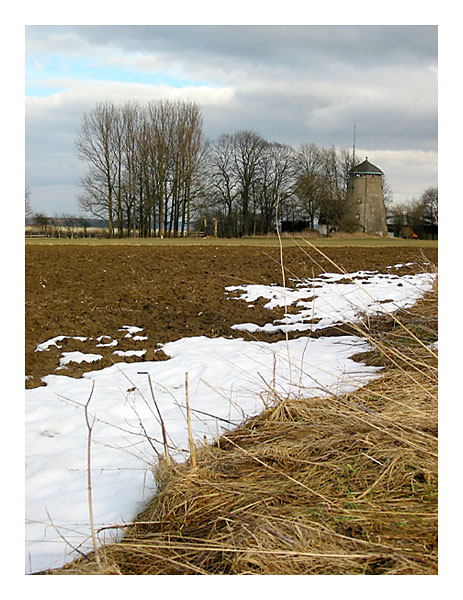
169, 292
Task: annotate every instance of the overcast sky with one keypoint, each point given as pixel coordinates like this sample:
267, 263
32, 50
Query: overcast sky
291, 84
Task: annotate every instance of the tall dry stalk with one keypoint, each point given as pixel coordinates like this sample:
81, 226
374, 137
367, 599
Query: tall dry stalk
283, 276
190, 433
161, 420
89, 475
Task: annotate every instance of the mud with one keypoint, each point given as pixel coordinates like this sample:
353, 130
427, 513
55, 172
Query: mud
170, 292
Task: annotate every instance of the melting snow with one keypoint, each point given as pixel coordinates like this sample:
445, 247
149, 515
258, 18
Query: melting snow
59, 338
78, 357
130, 352
130, 330
110, 344
51, 342
323, 304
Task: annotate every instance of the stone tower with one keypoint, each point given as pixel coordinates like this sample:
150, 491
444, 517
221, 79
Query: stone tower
365, 199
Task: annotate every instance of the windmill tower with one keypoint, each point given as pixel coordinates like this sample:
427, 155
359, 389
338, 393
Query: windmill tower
365, 199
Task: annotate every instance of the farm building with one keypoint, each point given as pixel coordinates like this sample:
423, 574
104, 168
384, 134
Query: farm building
365, 199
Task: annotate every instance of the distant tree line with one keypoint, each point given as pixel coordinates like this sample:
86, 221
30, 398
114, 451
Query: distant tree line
415, 217
151, 172
246, 178
68, 225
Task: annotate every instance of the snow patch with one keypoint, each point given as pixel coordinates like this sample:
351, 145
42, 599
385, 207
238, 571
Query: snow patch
130, 352
59, 338
324, 302
78, 357
130, 329
51, 342
109, 345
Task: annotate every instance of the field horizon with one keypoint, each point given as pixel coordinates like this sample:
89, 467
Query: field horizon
265, 241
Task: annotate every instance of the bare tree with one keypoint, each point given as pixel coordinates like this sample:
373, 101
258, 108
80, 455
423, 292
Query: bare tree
145, 177
223, 183
42, 221
334, 188
69, 222
83, 222
415, 216
172, 144
398, 218
309, 181
94, 198
130, 124
429, 199
346, 164
192, 154
161, 123
142, 164
249, 147
95, 144
275, 183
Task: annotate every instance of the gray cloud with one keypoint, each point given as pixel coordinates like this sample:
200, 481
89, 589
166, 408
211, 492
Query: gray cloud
364, 44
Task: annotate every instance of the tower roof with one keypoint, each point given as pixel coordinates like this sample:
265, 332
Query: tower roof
367, 167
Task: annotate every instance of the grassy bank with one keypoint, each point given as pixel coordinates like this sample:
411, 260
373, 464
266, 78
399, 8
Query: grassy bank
338, 485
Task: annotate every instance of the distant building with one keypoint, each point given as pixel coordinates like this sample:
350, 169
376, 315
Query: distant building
365, 199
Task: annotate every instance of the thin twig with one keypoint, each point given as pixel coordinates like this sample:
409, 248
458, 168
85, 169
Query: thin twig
163, 427
190, 433
64, 539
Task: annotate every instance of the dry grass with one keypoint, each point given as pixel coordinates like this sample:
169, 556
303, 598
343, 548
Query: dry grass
339, 485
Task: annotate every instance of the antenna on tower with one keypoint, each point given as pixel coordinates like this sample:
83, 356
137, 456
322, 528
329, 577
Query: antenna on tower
353, 147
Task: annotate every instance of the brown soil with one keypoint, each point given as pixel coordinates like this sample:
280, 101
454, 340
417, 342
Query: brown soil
170, 292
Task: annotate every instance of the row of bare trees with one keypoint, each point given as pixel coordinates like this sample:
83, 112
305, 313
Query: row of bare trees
143, 161
65, 225
151, 172
418, 216
246, 177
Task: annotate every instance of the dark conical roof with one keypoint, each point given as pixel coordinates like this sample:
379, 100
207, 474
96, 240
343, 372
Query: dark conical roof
367, 167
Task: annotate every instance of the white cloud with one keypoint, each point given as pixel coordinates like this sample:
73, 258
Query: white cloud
89, 92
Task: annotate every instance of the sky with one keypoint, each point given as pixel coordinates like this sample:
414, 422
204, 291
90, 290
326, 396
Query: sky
290, 83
